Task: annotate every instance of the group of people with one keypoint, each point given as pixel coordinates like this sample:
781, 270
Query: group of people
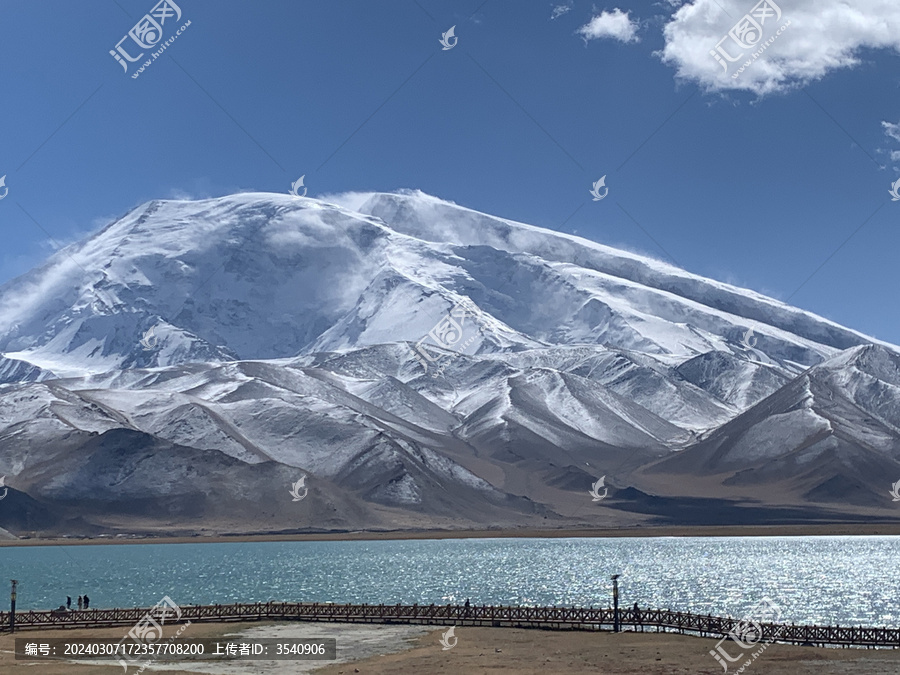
84, 602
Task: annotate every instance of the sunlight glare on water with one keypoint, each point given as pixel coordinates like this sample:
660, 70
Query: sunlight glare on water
843, 580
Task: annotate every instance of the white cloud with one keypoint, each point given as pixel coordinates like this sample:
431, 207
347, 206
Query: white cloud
892, 130
559, 10
822, 36
183, 195
615, 24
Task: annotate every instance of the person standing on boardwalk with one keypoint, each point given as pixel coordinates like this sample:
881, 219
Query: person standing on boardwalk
68, 602
87, 601
79, 602
467, 607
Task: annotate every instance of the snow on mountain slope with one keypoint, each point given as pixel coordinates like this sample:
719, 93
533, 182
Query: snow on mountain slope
283, 341
637, 377
732, 380
13, 370
259, 276
247, 276
832, 433
433, 219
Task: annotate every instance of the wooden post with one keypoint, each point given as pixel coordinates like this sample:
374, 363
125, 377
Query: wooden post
12, 607
615, 580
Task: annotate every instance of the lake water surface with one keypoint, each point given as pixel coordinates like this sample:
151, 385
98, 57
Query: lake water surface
837, 580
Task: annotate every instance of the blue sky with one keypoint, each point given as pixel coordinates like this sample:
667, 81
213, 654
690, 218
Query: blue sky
756, 180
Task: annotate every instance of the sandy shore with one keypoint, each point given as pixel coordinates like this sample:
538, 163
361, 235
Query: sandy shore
718, 531
510, 651
395, 650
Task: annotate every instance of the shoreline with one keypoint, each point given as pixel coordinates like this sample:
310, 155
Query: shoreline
814, 530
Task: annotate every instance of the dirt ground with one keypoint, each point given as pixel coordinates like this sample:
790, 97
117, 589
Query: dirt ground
492, 651
532, 652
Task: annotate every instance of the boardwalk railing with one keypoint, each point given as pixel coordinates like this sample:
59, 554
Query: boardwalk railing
553, 618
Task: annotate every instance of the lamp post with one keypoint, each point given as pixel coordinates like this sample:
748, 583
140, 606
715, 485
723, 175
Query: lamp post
12, 607
615, 580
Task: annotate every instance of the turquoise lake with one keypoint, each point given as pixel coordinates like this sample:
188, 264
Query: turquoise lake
837, 580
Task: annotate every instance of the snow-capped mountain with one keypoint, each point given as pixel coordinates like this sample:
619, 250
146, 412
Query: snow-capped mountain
194, 358
831, 434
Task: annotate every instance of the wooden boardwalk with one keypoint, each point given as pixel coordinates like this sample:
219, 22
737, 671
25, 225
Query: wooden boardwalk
549, 618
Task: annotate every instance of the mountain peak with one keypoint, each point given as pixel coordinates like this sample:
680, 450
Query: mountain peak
263, 275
